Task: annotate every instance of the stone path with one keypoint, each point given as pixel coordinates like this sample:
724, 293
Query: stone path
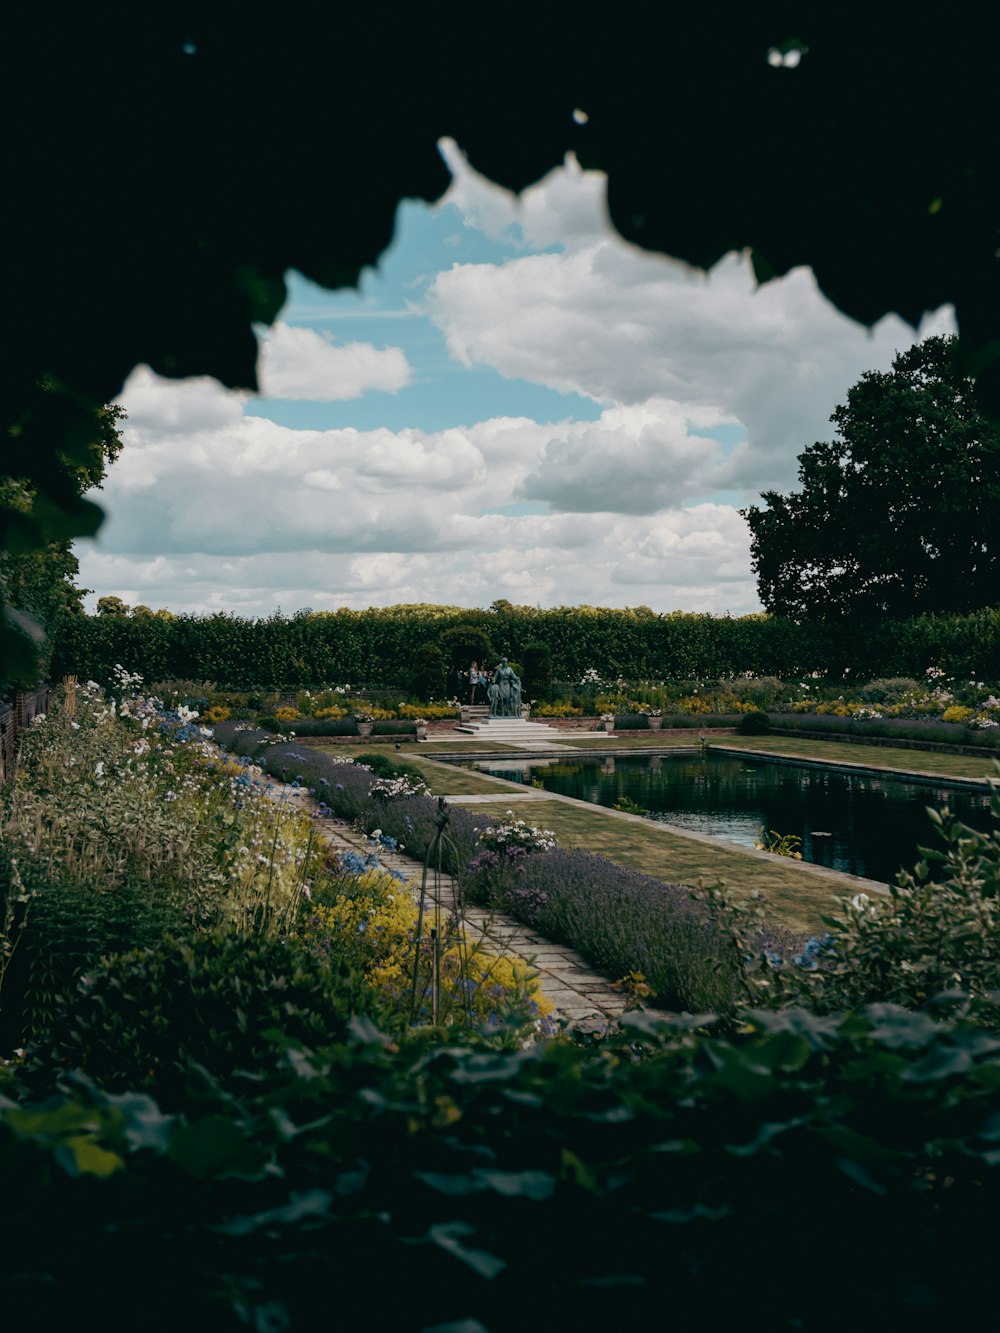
579, 995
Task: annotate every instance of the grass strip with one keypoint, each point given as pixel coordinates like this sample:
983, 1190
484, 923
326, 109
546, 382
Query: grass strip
846, 753
796, 897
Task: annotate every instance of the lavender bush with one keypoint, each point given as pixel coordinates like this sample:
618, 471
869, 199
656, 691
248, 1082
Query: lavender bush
619, 920
910, 729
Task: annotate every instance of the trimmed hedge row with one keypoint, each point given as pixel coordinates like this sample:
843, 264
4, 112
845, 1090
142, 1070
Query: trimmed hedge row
378, 646
929, 732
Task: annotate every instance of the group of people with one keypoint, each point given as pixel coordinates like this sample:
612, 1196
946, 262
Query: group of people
501, 688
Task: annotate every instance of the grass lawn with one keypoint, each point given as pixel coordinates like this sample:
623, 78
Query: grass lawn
632, 740
796, 896
869, 756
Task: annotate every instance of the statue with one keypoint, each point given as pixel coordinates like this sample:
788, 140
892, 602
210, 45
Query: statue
505, 692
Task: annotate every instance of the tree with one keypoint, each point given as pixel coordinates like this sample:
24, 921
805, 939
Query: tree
464, 644
112, 607
427, 678
537, 671
900, 513
38, 577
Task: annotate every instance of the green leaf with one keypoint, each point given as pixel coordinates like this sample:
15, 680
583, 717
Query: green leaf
939, 1062
536, 1185
216, 1147
143, 1123
82, 1156
447, 1237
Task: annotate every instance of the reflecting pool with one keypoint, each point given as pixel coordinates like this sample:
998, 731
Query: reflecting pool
853, 822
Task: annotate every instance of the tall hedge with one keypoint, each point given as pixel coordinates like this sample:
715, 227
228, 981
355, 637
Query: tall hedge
378, 646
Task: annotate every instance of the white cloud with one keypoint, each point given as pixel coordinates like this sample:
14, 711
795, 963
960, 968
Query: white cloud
243, 513
566, 208
634, 460
298, 362
616, 324
214, 510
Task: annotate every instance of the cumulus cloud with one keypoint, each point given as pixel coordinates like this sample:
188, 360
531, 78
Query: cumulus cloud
607, 320
212, 509
243, 513
566, 208
634, 460
298, 362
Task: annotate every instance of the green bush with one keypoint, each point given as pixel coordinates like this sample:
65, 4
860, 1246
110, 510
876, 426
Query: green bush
378, 646
647, 1181
754, 724
392, 727
427, 680
311, 726
385, 767
936, 933
225, 1001
631, 722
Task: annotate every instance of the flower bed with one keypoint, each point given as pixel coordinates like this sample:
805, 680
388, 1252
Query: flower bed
619, 920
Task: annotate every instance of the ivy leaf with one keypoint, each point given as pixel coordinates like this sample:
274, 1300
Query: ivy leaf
447, 1236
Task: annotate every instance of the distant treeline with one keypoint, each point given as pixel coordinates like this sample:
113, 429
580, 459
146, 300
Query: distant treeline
377, 646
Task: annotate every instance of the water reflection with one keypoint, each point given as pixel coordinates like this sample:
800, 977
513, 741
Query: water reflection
853, 822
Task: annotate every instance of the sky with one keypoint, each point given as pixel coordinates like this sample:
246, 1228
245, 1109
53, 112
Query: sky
515, 404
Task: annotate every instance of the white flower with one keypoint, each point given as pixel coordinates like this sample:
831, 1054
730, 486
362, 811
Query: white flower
99, 769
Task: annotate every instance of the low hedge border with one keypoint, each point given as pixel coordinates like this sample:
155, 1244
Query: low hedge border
909, 733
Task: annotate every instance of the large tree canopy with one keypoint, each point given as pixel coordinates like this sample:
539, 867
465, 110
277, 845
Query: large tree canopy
900, 513
163, 172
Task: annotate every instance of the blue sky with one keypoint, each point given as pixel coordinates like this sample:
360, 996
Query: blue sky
514, 404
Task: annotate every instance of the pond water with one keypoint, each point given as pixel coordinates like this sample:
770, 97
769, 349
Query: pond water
863, 825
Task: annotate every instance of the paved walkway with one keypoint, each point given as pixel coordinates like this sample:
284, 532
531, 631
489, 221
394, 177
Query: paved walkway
579, 995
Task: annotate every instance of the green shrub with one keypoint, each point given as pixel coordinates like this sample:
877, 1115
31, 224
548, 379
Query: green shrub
390, 727
665, 1177
428, 672
631, 722
225, 1001
935, 933
383, 766
892, 691
754, 724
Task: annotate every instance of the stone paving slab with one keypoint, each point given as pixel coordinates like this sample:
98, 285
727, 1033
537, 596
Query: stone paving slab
580, 996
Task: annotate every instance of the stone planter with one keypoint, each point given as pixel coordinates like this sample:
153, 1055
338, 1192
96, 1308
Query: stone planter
421, 733
655, 723
365, 728
608, 726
